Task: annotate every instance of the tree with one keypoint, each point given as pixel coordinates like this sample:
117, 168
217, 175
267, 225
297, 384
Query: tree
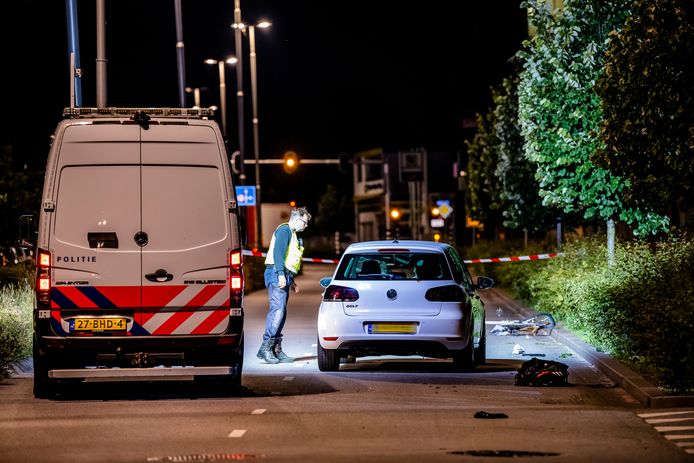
483, 194
560, 112
519, 198
647, 94
334, 212
20, 193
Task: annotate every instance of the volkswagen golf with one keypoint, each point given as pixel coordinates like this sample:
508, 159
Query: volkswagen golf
402, 298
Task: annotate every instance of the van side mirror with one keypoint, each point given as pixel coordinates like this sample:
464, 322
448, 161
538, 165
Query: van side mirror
26, 236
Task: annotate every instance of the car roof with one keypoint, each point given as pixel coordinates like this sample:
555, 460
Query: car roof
412, 245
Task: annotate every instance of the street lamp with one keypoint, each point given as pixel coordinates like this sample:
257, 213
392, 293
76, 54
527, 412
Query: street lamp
196, 95
256, 137
222, 88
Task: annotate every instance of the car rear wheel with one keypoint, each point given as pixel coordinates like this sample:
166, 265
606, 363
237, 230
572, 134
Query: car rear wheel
328, 359
481, 351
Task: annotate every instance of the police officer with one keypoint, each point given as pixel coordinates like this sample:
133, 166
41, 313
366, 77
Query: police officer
281, 266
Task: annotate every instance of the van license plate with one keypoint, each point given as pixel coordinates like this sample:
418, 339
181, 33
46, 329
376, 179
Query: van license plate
98, 324
381, 328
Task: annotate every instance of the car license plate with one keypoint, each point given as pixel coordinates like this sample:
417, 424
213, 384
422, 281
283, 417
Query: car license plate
398, 328
98, 324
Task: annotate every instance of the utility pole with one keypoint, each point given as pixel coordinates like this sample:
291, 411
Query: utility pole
238, 26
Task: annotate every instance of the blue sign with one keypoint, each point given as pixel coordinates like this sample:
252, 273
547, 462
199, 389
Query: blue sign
441, 202
245, 195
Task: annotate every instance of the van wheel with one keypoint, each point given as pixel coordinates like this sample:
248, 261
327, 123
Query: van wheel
237, 369
328, 359
44, 387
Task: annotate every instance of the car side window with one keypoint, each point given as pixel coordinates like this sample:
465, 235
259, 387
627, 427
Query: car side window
461, 274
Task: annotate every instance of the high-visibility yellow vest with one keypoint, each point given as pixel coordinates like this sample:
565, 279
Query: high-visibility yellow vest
292, 260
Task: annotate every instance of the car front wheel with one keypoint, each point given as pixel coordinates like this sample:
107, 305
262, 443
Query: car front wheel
328, 359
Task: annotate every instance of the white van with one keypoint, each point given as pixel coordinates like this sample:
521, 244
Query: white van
139, 267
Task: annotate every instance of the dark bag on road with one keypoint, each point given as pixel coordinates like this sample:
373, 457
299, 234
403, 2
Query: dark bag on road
536, 372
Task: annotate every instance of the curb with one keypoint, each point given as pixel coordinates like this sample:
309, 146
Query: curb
638, 387
645, 392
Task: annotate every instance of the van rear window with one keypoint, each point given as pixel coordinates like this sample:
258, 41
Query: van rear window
182, 206
98, 199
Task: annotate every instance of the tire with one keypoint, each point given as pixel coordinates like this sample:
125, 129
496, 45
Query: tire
544, 321
464, 360
328, 359
480, 356
44, 387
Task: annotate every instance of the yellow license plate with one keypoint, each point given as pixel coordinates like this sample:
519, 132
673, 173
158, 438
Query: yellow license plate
381, 328
100, 324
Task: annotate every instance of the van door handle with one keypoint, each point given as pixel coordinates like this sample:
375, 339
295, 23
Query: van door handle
160, 276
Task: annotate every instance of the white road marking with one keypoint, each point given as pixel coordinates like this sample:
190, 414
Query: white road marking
668, 420
689, 451
237, 433
679, 436
653, 415
288, 378
258, 411
684, 444
673, 428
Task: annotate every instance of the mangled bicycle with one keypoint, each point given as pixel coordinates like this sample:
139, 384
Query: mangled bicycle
541, 323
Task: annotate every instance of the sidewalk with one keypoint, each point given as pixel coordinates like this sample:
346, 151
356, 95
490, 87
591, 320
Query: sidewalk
638, 387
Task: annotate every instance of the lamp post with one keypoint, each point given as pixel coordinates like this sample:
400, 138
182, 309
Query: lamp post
196, 95
222, 88
238, 27
256, 137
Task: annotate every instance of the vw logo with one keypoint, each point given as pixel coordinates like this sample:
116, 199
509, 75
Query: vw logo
392, 294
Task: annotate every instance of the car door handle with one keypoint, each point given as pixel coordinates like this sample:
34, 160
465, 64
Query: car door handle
160, 276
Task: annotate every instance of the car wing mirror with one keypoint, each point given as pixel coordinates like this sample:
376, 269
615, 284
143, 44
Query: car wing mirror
484, 283
325, 282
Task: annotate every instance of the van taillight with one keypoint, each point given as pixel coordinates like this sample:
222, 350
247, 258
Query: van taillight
43, 279
334, 293
236, 278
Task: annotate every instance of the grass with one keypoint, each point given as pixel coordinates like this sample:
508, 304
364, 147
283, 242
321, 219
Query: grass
16, 304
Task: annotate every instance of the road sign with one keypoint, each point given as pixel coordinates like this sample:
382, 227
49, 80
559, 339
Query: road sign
445, 210
245, 195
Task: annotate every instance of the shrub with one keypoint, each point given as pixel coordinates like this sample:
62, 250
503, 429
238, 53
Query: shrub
641, 309
16, 304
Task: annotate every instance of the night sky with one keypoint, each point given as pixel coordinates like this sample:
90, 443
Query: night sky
334, 76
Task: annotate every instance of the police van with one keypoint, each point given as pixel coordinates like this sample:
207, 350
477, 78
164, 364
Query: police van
139, 264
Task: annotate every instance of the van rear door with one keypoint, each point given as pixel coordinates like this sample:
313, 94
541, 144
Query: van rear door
96, 263
185, 262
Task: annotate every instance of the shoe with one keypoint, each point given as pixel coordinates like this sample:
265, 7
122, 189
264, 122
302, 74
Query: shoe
277, 350
265, 352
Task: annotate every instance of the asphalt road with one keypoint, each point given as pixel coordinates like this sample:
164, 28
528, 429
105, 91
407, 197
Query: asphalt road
375, 410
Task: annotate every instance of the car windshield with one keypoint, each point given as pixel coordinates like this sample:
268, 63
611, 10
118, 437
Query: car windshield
393, 266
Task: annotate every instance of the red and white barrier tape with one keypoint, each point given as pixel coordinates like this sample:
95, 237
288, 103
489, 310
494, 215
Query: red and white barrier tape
514, 258
247, 252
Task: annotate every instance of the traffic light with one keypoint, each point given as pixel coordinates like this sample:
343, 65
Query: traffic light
291, 162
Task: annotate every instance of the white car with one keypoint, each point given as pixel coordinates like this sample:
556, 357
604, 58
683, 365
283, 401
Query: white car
401, 298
